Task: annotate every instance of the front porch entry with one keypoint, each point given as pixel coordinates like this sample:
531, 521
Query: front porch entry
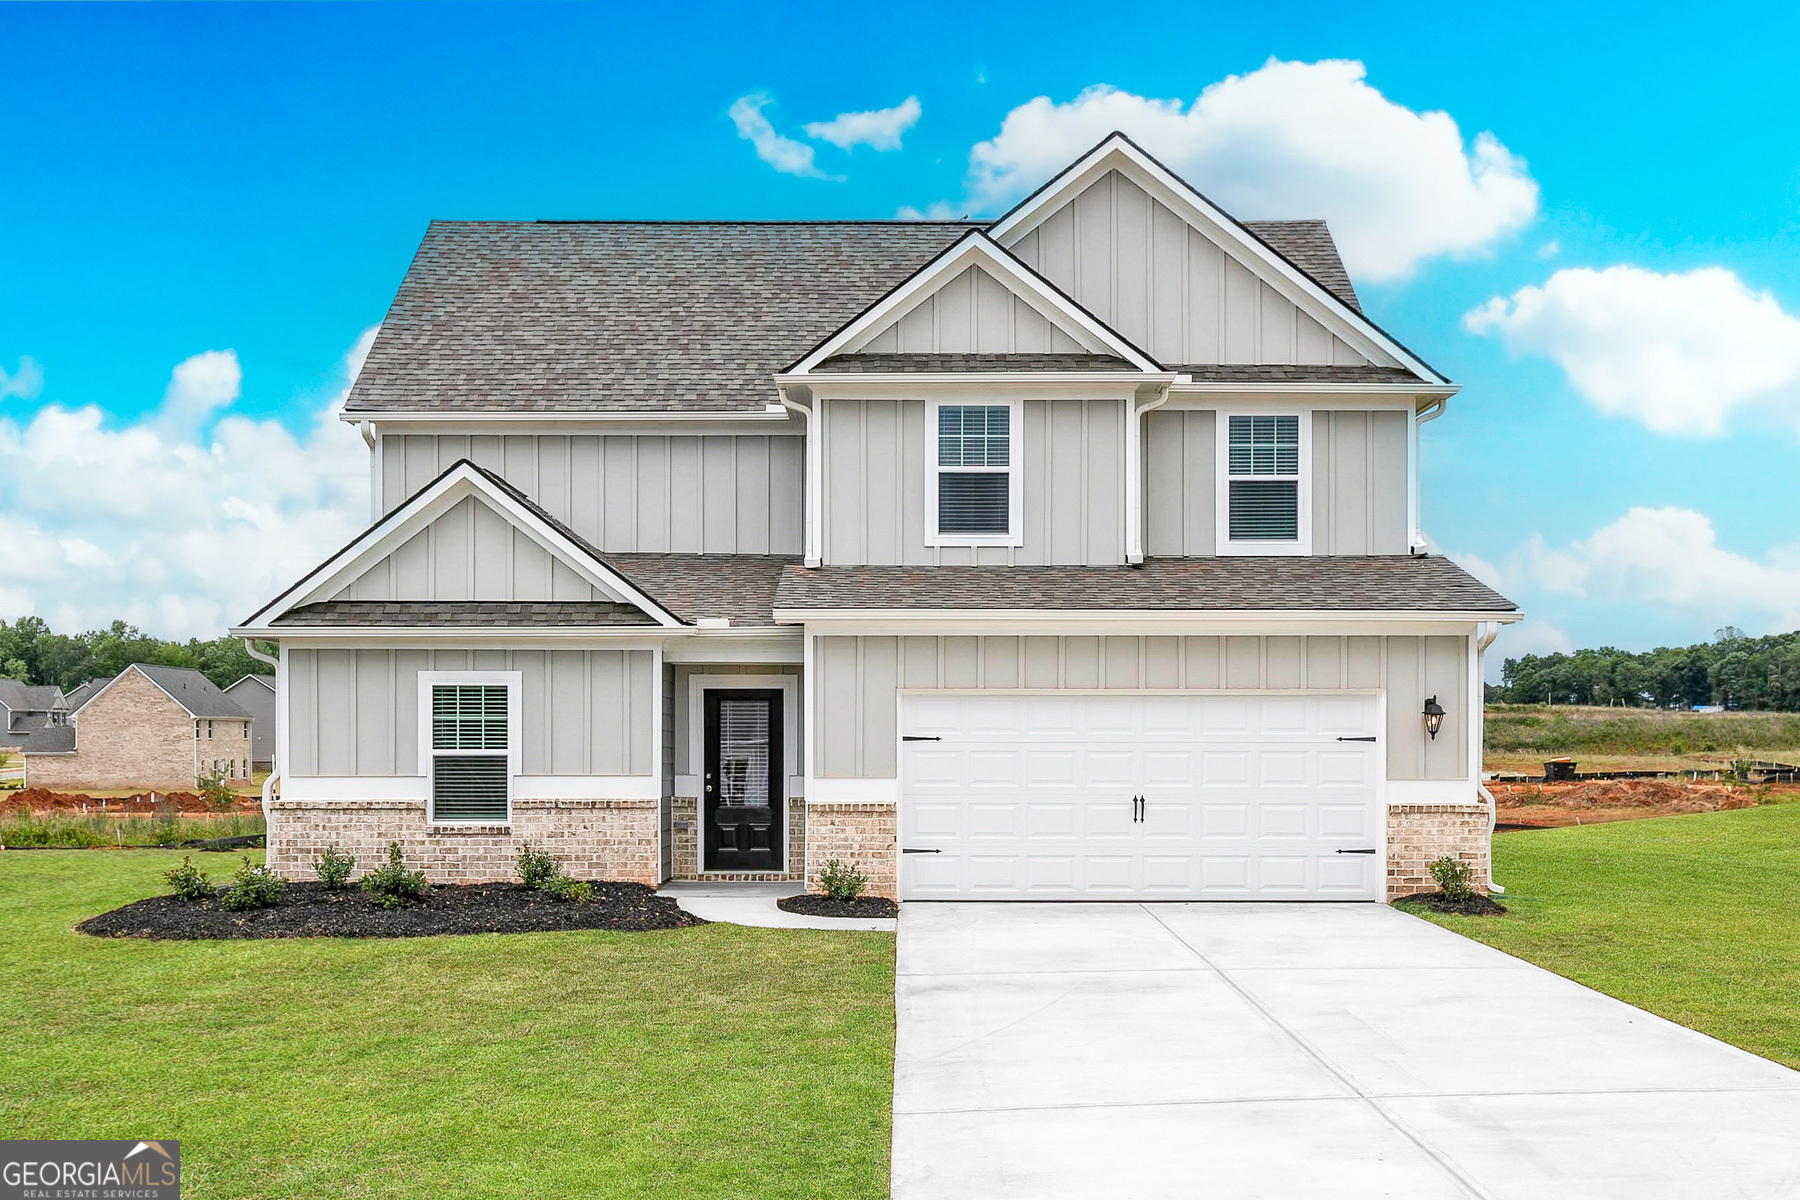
743, 785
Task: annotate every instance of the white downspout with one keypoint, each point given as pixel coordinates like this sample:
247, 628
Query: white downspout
1134, 474
268, 788
367, 429
1414, 507
1489, 631
811, 498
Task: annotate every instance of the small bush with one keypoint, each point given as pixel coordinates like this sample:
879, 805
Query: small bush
253, 887
333, 869
189, 881
215, 790
392, 885
575, 891
1454, 879
537, 868
841, 881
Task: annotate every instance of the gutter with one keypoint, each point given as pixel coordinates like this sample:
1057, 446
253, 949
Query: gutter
268, 787
1489, 631
813, 545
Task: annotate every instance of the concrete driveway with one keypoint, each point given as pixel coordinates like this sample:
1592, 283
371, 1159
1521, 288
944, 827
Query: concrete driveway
1234, 1051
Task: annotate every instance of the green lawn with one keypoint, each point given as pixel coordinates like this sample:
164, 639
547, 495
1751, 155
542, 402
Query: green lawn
714, 1061
1696, 918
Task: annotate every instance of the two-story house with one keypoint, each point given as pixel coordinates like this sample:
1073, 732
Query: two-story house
1071, 555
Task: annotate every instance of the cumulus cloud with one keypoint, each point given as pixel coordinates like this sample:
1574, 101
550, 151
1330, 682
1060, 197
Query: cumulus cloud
178, 533
939, 210
1680, 353
1289, 140
25, 382
783, 153
879, 129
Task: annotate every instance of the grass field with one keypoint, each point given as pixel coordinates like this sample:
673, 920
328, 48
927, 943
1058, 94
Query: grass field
92, 829
1521, 736
1694, 918
716, 1061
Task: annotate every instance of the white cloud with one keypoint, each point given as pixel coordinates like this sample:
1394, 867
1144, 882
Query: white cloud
879, 129
1678, 352
1669, 559
938, 210
784, 154
1289, 140
1516, 641
177, 533
1549, 249
25, 382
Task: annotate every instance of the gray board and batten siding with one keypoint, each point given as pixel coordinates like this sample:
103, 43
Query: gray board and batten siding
858, 679
632, 493
583, 712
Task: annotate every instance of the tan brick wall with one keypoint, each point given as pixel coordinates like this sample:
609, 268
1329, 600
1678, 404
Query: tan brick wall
1420, 834
862, 835
685, 844
612, 840
134, 736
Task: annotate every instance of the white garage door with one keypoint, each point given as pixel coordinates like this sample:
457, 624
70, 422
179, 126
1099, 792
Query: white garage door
1096, 797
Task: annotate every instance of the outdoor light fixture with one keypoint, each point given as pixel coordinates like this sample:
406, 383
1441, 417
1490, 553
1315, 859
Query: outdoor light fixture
1434, 716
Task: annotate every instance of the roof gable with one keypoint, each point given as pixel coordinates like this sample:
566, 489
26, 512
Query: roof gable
976, 297
492, 539
188, 688
1163, 264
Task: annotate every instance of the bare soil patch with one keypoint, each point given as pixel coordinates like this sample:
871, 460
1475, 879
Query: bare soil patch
310, 910
1589, 802
824, 906
39, 802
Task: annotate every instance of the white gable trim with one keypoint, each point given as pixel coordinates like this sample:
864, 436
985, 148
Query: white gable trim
975, 248
1119, 153
387, 535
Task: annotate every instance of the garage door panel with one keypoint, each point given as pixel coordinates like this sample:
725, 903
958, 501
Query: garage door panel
1246, 797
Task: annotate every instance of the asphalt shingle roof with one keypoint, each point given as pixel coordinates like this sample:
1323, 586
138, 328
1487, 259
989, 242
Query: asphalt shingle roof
974, 362
738, 587
55, 739
1308, 245
193, 691
1387, 583
27, 697
463, 613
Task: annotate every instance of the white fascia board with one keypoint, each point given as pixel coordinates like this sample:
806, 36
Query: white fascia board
1129, 621
520, 419
691, 425
1415, 394
1091, 385
1118, 153
624, 637
972, 249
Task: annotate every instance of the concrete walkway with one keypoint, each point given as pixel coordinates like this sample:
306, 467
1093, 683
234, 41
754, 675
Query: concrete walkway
754, 904
1240, 1051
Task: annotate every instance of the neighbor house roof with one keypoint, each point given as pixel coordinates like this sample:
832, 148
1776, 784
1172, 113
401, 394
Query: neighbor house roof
53, 739
267, 681
81, 693
1387, 583
192, 690
625, 315
26, 697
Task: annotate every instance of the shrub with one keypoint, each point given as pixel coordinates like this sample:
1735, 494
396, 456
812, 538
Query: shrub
333, 869
189, 881
841, 881
253, 887
215, 791
1454, 879
538, 868
392, 885
576, 891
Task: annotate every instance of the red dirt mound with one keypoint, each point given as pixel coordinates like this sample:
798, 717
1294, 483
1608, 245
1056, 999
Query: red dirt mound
40, 802
1589, 801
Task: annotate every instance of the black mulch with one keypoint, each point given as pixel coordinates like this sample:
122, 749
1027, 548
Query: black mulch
824, 906
1474, 906
309, 910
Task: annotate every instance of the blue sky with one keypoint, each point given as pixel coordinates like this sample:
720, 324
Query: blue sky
246, 185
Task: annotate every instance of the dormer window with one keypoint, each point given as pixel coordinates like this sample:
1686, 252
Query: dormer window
1263, 471
974, 456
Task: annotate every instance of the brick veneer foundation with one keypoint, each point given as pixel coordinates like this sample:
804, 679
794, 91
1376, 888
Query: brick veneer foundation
1420, 834
596, 839
685, 846
862, 835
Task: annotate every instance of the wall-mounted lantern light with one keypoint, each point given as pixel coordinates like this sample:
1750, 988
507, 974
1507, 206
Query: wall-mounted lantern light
1434, 716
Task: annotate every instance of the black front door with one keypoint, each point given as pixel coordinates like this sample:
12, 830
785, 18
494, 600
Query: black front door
741, 794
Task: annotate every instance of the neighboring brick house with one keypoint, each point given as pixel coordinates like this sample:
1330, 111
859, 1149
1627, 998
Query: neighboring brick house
25, 709
149, 727
255, 694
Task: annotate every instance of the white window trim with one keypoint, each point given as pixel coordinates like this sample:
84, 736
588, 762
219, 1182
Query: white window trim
1222, 482
513, 682
1015, 460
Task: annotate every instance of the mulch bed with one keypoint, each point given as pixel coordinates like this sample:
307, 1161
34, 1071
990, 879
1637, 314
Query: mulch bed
309, 910
1475, 906
824, 906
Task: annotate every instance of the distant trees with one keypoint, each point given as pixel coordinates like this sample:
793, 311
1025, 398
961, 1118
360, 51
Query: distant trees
1742, 672
30, 652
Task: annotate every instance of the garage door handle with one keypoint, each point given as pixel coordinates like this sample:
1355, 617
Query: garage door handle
1370, 738
910, 850
913, 737
1370, 850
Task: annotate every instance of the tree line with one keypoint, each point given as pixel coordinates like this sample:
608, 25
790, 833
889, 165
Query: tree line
1736, 671
31, 653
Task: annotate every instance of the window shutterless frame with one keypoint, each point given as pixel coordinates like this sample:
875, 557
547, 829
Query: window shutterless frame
465, 736
970, 447
1264, 466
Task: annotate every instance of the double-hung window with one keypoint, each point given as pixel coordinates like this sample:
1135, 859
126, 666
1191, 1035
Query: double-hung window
974, 491
1264, 509
471, 745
